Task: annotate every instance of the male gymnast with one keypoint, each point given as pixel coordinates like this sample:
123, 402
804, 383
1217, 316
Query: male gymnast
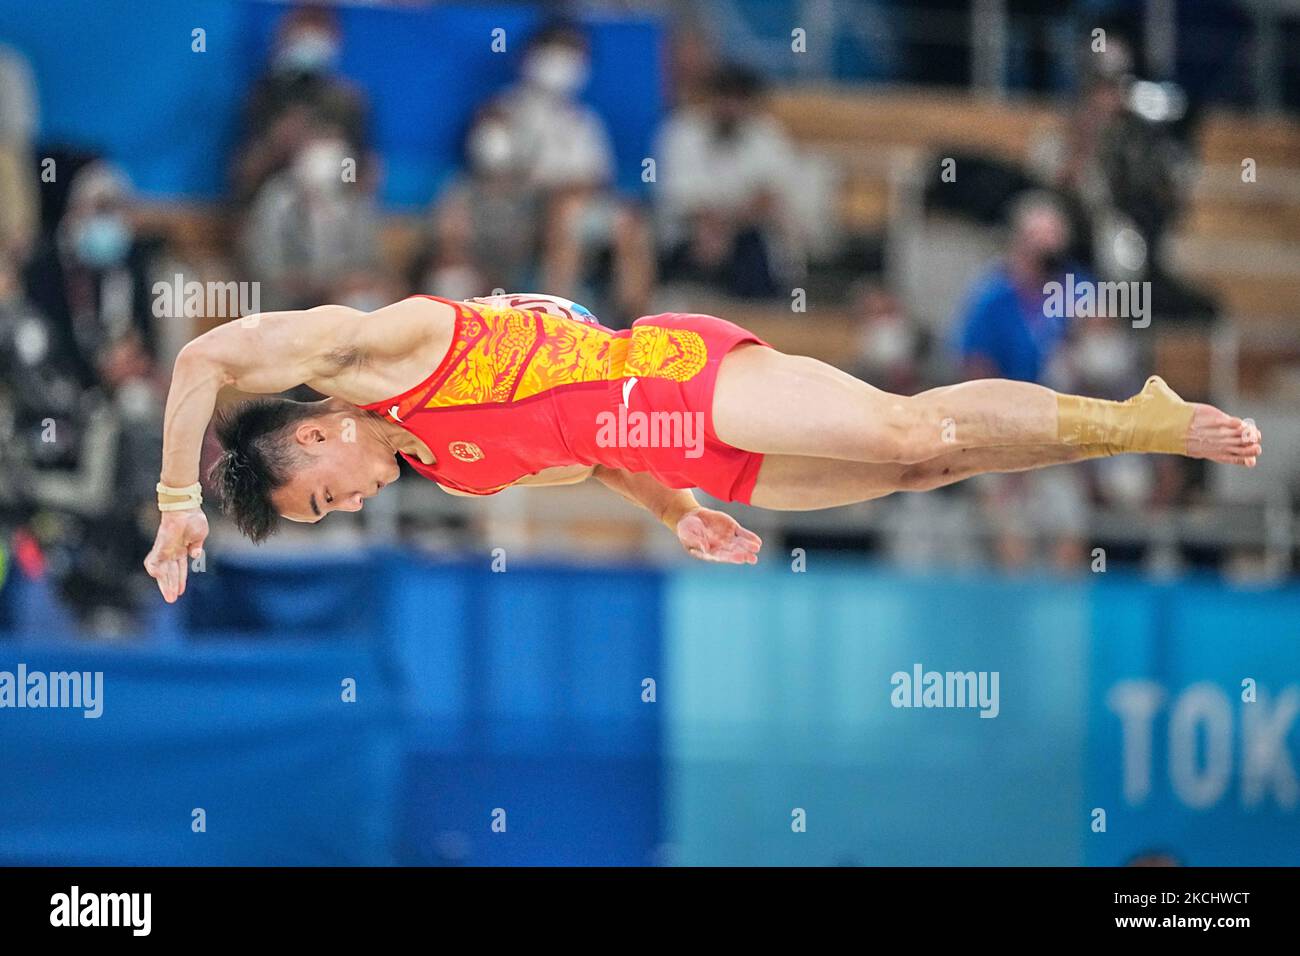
530, 390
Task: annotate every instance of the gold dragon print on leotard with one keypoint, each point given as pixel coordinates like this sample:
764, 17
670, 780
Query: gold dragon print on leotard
515, 359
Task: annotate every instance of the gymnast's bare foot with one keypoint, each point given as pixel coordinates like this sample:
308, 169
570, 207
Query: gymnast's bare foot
1220, 437
1211, 433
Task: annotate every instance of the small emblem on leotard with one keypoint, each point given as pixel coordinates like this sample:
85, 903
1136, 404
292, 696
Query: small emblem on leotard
465, 451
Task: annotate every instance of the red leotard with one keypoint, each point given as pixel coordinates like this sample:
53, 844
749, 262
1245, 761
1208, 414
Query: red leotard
519, 391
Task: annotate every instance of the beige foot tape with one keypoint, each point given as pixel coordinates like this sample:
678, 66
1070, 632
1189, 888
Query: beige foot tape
1153, 420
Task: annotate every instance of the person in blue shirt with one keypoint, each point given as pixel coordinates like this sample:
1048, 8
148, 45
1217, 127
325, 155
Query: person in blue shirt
1006, 331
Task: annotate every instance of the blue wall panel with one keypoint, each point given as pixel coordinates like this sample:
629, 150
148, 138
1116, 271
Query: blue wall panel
553, 729
286, 771
522, 691
779, 698
475, 691
1179, 760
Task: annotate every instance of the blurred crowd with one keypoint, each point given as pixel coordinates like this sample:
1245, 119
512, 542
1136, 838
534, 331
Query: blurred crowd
1092, 202
81, 387
84, 357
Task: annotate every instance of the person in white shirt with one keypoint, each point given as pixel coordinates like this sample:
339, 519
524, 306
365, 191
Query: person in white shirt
562, 142
562, 152
722, 206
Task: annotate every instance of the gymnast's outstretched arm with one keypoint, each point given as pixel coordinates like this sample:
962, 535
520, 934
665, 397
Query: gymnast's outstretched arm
350, 355
263, 353
705, 534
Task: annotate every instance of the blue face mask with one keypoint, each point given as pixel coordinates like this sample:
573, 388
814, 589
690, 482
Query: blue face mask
102, 241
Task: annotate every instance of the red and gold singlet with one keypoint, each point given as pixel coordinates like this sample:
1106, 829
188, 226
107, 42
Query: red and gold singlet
521, 390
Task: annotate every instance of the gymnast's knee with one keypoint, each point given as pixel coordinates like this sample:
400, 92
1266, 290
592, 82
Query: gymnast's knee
906, 437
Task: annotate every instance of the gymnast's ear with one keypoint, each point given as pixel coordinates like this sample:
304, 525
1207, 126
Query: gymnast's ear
309, 432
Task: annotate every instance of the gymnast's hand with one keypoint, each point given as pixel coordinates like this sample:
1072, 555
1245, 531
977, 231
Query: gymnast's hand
180, 537
714, 536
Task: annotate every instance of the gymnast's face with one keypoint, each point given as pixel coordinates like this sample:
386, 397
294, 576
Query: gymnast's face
339, 465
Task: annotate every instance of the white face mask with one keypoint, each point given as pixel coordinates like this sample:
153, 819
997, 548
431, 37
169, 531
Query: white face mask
491, 149
888, 343
557, 70
32, 342
319, 165
310, 51
1103, 356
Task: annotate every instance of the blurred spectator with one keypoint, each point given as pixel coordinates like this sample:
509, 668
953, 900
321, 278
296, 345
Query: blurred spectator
1066, 156
593, 244
18, 190
77, 460
1100, 359
1122, 162
93, 276
38, 380
889, 345
311, 235
1007, 333
486, 228
299, 92
692, 61
723, 209
561, 143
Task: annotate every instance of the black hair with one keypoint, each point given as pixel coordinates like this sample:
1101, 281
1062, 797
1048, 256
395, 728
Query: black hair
733, 79
258, 455
568, 32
